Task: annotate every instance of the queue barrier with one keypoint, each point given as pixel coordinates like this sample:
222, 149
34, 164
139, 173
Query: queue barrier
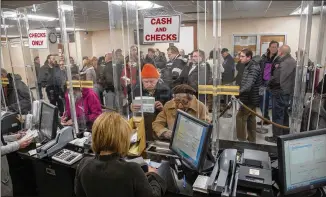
80, 84
219, 90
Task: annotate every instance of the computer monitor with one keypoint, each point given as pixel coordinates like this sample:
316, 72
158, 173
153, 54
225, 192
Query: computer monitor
190, 139
302, 161
48, 121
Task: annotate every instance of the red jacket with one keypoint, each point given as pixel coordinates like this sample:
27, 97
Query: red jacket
91, 106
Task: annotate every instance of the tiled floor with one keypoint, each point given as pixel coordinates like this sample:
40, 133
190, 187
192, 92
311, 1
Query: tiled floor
227, 134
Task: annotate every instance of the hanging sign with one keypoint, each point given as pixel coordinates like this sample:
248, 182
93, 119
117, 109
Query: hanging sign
38, 39
158, 29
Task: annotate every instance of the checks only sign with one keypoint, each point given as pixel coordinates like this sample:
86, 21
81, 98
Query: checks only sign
38, 39
158, 29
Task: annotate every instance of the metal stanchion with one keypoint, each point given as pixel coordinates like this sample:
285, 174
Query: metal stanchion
263, 130
234, 132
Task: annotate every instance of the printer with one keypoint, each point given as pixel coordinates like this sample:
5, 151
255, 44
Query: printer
63, 137
9, 122
254, 174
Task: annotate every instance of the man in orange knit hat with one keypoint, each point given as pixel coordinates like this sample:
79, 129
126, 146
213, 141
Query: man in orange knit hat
153, 87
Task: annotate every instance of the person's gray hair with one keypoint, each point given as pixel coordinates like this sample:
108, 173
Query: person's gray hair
286, 49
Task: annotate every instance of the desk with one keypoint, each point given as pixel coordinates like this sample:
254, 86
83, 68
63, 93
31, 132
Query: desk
52, 178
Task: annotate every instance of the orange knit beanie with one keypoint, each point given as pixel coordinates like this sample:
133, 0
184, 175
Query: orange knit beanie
149, 71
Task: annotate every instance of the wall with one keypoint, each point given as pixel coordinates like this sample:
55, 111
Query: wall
84, 45
289, 25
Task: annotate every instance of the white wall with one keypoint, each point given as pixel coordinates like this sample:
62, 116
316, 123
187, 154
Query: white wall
101, 42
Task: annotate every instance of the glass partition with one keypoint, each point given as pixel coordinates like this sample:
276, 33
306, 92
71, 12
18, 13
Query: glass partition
17, 97
101, 48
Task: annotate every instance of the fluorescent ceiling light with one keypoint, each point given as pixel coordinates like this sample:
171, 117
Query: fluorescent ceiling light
141, 5
6, 26
315, 10
9, 14
41, 18
13, 16
70, 29
67, 7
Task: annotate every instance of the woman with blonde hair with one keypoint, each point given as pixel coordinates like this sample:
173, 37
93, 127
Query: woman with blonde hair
108, 174
88, 73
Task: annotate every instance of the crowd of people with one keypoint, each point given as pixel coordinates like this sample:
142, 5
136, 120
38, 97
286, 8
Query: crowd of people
117, 80
173, 82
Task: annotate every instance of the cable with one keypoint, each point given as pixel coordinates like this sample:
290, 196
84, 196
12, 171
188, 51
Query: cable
261, 117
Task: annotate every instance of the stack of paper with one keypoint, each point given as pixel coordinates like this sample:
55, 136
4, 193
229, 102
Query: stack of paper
200, 184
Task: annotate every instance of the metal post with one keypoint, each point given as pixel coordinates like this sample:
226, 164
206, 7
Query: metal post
263, 130
301, 68
234, 131
62, 20
321, 39
216, 74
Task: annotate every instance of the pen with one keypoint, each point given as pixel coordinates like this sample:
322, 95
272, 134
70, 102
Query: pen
184, 181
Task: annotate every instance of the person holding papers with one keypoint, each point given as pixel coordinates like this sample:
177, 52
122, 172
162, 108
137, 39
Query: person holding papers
87, 105
183, 99
9, 144
152, 87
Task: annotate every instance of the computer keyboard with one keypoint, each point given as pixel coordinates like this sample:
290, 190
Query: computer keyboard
66, 156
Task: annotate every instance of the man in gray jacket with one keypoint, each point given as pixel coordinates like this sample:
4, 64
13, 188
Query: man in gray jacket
282, 86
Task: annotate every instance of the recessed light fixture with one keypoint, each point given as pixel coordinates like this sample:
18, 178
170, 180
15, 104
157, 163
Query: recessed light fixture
141, 5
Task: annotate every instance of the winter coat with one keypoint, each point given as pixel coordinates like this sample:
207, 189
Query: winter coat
8, 145
228, 74
55, 76
240, 68
89, 106
201, 75
166, 118
283, 76
163, 94
172, 74
250, 83
23, 92
107, 76
265, 59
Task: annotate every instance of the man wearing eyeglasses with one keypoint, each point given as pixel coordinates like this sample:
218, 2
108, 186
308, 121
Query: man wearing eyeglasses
249, 95
153, 87
183, 99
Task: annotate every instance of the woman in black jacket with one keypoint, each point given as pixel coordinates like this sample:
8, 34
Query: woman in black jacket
107, 174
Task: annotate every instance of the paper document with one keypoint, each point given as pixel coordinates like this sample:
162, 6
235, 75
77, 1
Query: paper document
200, 184
147, 104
